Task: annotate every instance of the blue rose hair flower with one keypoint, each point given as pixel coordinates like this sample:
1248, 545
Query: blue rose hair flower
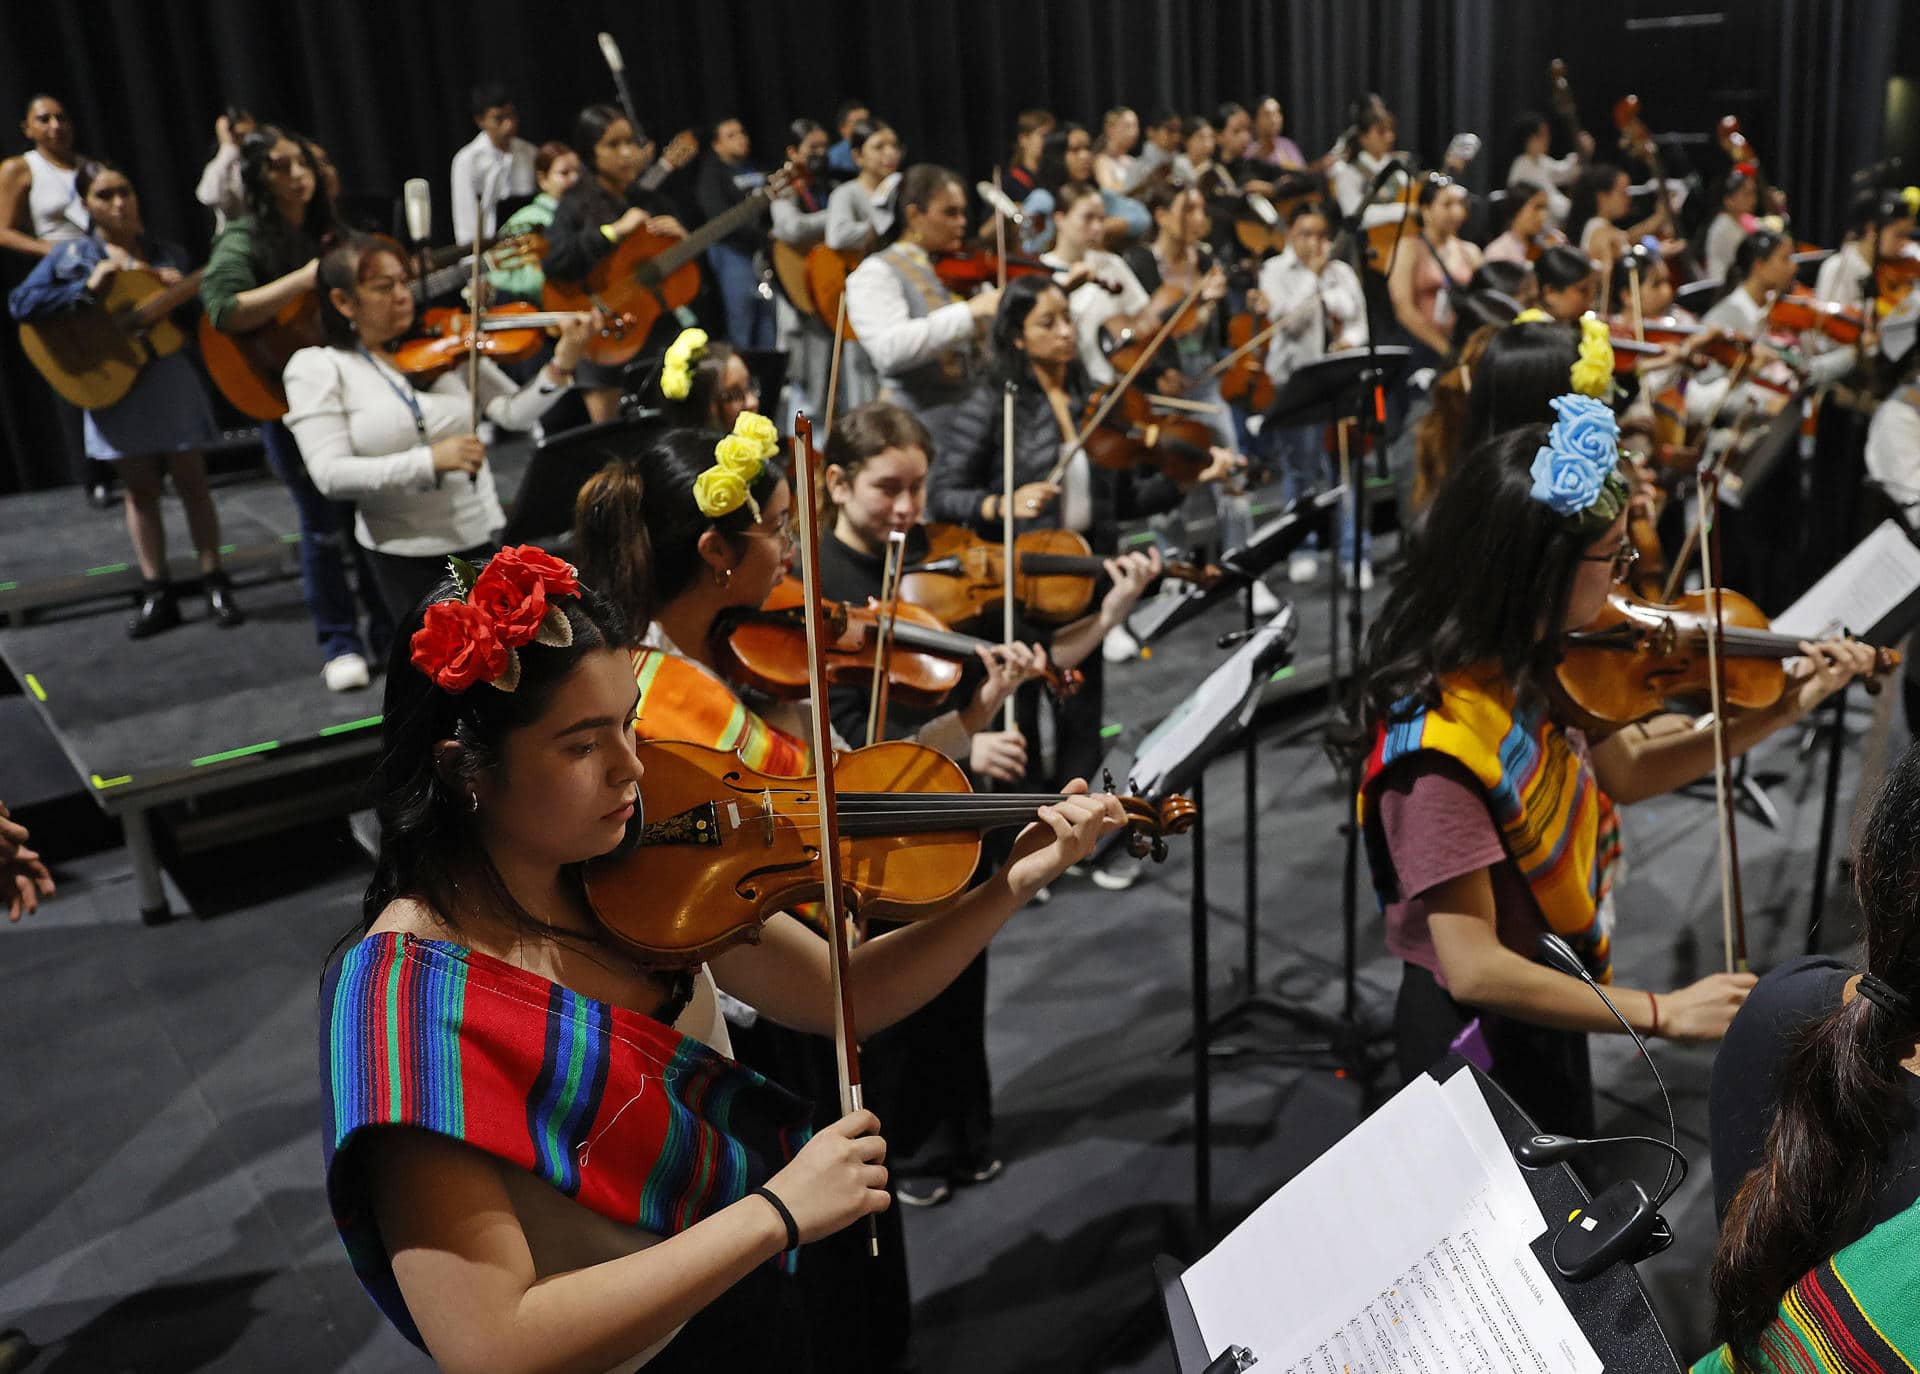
1575, 472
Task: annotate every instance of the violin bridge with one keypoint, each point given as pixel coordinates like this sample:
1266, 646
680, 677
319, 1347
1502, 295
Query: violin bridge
700, 825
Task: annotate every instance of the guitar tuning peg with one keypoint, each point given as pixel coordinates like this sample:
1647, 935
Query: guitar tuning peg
1106, 779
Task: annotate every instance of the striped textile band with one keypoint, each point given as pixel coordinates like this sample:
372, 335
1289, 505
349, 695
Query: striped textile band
626, 1116
682, 700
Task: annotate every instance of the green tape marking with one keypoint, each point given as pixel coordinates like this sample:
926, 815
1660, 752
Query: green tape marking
8, 586
1144, 537
348, 725
1109, 731
226, 549
1281, 674
106, 568
104, 783
239, 753
33, 683
293, 538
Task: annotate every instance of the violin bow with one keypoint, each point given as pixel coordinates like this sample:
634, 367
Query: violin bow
999, 237
833, 369
1119, 388
1735, 375
1733, 924
892, 573
1008, 581
476, 316
845, 1040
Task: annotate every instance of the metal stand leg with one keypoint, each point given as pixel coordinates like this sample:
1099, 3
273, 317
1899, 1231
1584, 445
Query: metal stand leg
1829, 804
1202, 1028
146, 867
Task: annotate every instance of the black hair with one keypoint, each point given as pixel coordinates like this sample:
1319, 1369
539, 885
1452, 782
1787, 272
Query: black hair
872, 430
1730, 184
696, 409
1027, 122
713, 129
1487, 566
1525, 125
1433, 183
799, 129
1872, 209
1162, 193
847, 107
1368, 112
486, 96
1492, 297
39, 96
1163, 117
1562, 266
1842, 1094
1584, 203
1524, 367
339, 270
1636, 264
1754, 249
589, 127
1070, 194
1518, 194
1193, 124
428, 848
1051, 174
90, 170
1226, 110
918, 186
636, 527
255, 151
1008, 359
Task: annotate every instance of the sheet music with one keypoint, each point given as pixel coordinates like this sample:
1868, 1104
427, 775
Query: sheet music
1403, 1248
1861, 590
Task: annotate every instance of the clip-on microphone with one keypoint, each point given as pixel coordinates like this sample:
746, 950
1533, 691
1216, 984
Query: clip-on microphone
1622, 1222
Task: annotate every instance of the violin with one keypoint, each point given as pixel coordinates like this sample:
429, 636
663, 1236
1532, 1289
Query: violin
1260, 222
1542, 241
1637, 655
1133, 435
1894, 276
1801, 312
509, 333
1170, 310
968, 270
962, 576
734, 846
1245, 377
766, 649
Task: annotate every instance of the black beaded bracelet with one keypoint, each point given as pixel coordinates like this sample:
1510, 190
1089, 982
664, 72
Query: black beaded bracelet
793, 1230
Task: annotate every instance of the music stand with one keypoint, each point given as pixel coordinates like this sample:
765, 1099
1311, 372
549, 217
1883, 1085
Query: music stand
1611, 1308
561, 465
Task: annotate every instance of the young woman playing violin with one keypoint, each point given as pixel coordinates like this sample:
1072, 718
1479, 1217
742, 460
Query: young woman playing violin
406, 457
1437, 263
259, 264
1739, 193
504, 1224
605, 206
1879, 231
1459, 666
921, 337
1530, 139
163, 422
1531, 220
1762, 271
1601, 199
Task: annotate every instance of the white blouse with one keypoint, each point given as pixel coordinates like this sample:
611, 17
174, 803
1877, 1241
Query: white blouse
348, 410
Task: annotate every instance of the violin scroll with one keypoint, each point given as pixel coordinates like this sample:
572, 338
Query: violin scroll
1149, 823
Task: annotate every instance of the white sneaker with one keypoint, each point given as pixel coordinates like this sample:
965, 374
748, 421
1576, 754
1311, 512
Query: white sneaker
1265, 603
1366, 576
347, 673
1119, 646
1303, 567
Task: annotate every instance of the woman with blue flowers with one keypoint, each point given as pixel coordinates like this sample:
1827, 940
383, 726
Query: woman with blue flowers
1488, 821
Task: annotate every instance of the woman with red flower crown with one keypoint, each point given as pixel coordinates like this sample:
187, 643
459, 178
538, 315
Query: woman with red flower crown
540, 1154
407, 458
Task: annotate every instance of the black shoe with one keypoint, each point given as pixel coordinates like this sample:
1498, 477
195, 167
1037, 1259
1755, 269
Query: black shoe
159, 610
100, 496
226, 611
922, 1191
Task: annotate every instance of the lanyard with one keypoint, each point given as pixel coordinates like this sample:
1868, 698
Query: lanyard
407, 395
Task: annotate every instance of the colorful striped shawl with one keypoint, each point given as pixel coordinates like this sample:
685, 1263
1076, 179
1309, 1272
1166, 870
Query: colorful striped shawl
681, 700
1858, 1313
1558, 827
620, 1113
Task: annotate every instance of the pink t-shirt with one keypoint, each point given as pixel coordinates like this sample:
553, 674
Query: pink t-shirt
1433, 826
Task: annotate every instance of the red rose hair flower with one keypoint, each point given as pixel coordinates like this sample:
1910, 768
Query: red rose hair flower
456, 646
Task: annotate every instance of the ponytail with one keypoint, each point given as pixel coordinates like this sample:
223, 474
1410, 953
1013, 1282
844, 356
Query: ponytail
1754, 249
610, 537
1843, 1093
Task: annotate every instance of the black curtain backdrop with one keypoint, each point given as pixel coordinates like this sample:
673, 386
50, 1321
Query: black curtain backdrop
384, 87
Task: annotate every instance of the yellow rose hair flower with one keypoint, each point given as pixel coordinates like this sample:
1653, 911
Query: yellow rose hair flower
741, 455
750, 424
721, 491
676, 369
1592, 372
1533, 314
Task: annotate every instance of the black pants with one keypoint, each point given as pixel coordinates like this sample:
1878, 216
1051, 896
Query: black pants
1077, 721
405, 580
1543, 1070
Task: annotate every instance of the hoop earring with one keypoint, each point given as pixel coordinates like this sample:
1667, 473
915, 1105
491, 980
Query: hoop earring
473, 802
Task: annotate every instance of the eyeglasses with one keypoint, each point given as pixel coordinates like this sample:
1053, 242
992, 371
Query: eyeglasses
1622, 559
784, 531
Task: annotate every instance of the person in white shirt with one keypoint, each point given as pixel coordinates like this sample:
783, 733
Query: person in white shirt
1370, 145
494, 166
1762, 269
1893, 451
1738, 196
921, 337
1318, 307
221, 189
1101, 288
407, 457
1879, 225
1601, 198
1530, 140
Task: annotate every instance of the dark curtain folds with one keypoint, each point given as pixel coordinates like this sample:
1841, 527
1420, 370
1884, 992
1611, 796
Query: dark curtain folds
384, 86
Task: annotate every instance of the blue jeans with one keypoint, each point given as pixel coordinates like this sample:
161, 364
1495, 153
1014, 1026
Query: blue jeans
326, 535
749, 314
1300, 454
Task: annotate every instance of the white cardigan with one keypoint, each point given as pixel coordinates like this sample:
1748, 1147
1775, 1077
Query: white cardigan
358, 439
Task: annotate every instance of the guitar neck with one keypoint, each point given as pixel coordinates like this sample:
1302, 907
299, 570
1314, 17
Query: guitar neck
655, 176
670, 260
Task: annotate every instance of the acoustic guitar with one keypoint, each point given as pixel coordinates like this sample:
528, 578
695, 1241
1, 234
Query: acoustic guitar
814, 281
92, 355
247, 367
648, 275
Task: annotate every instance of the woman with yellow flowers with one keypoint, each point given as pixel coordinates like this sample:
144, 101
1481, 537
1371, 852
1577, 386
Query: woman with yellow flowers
703, 384
1488, 821
693, 526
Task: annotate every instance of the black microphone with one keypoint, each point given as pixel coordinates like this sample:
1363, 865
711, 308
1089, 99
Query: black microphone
1622, 1223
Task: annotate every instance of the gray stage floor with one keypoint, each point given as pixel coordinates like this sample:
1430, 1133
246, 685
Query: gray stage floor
162, 1209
